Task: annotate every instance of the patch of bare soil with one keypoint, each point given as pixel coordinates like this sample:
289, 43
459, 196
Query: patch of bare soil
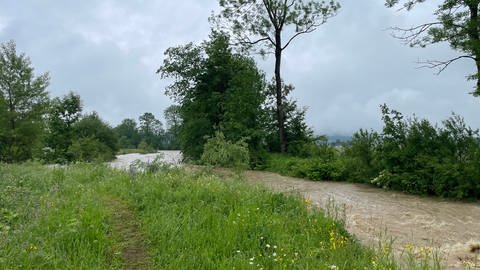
450, 227
125, 228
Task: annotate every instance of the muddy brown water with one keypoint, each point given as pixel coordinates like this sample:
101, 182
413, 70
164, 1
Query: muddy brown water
449, 227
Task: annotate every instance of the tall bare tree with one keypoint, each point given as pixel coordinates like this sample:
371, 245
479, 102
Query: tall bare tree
269, 26
457, 22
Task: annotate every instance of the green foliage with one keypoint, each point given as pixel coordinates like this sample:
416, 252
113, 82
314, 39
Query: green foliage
90, 149
94, 141
128, 134
299, 136
361, 156
151, 130
270, 26
219, 152
215, 89
415, 157
23, 103
63, 114
314, 168
144, 147
173, 121
409, 155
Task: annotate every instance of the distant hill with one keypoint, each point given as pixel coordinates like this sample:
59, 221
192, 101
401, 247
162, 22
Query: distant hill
339, 138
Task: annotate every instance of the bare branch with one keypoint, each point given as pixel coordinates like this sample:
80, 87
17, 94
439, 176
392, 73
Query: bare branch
442, 65
247, 41
410, 35
310, 29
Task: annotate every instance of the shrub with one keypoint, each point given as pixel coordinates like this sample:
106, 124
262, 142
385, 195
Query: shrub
219, 152
89, 150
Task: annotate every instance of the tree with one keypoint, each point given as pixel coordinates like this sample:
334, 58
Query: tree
94, 140
265, 23
173, 121
457, 22
63, 114
23, 103
128, 134
217, 90
297, 132
151, 130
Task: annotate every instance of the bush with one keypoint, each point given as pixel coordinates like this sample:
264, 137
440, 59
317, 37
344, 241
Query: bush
361, 156
311, 168
416, 157
219, 152
90, 150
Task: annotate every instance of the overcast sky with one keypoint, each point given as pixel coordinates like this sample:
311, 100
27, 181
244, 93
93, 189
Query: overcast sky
108, 51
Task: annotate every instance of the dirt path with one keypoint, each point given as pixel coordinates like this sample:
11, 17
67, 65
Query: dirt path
451, 227
125, 228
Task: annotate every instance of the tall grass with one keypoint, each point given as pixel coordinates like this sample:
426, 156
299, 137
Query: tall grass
54, 219
203, 222
50, 219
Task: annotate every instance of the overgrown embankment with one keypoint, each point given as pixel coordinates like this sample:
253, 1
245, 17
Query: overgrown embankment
411, 156
57, 218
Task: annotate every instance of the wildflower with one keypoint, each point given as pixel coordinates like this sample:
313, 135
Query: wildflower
267, 245
308, 201
275, 247
333, 267
274, 254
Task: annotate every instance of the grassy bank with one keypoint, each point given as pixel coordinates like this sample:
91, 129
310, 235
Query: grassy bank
58, 219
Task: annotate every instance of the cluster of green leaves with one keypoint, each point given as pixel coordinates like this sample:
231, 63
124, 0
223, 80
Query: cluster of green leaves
314, 168
415, 157
218, 152
72, 137
148, 136
33, 126
23, 103
216, 90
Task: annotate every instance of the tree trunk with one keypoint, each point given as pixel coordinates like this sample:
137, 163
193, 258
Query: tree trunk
11, 107
279, 93
475, 38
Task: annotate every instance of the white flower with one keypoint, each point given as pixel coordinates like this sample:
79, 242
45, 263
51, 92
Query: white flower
275, 247
267, 245
333, 267
274, 254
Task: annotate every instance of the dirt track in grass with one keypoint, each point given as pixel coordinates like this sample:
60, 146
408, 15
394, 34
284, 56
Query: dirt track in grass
131, 244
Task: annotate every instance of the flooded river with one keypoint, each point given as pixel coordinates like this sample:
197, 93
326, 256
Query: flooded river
449, 227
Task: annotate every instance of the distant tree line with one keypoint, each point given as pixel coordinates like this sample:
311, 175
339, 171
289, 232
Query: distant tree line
33, 126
